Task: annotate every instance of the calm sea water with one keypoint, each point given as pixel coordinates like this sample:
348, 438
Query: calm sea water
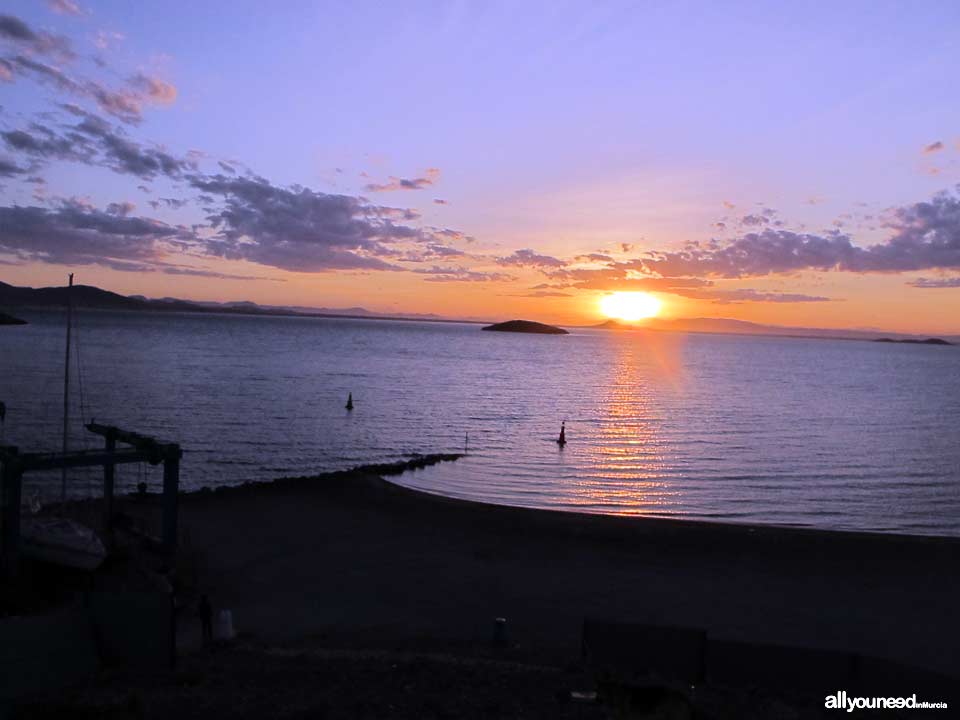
833, 434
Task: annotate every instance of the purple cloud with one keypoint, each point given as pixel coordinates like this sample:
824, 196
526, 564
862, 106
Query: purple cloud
9, 168
95, 141
529, 258
934, 283
430, 177
16, 32
64, 7
460, 274
301, 230
926, 235
78, 234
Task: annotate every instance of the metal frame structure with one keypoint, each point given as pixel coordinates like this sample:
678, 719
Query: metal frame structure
141, 448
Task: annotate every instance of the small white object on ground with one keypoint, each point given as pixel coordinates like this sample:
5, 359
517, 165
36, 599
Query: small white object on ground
224, 629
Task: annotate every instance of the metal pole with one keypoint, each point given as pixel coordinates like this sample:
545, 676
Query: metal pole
108, 475
171, 483
66, 392
12, 477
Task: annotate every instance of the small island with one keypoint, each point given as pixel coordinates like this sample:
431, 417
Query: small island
911, 341
526, 326
10, 320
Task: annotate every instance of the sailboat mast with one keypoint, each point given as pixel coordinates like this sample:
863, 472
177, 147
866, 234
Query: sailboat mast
66, 391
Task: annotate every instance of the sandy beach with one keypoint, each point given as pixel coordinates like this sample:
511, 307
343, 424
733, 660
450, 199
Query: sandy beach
356, 561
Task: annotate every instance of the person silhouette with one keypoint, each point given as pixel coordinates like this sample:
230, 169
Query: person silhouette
205, 611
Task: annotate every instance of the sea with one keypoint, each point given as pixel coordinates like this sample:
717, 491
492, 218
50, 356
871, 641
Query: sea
836, 434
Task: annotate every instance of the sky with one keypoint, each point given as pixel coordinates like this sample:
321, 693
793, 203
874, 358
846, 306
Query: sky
793, 164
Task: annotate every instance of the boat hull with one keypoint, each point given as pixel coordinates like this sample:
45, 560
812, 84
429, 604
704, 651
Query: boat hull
62, 542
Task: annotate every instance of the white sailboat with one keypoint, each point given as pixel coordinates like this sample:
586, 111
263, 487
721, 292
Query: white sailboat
61, 540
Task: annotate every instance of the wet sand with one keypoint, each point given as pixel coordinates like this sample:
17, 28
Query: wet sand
358, 562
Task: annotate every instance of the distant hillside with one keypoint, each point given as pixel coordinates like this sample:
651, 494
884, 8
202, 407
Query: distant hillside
912, 341
88, 296
83, 296
10, 320
726, 326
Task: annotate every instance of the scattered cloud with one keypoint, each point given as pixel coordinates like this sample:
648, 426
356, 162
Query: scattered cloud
125, 104
301, 230
9, 168
95, 141
17, 33
431, 175
172, 203
42, 143
933, 147
438, 201
729, 297
529, 258
121, 209
106, 39
65, 7
78, 234
38, 55
169, 269
153, 89
934, 283
623, 277
460, 274
925, 235
544, 293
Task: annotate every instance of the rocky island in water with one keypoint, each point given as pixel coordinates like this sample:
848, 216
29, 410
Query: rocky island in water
526, 326
911, 341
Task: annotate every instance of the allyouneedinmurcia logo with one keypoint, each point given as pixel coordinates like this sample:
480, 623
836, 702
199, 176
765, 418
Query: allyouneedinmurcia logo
842, 701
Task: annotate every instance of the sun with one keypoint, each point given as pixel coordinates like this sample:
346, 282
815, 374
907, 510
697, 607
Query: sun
629, 305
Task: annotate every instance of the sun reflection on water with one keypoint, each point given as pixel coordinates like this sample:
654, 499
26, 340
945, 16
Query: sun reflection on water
627, 458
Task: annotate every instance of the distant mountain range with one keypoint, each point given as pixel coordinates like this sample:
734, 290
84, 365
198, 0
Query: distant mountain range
727, 326
88, 296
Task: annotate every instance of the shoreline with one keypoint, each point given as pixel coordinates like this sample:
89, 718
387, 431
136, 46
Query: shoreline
419, 461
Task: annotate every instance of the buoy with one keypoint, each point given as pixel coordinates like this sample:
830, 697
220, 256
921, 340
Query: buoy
349, 405
562, 440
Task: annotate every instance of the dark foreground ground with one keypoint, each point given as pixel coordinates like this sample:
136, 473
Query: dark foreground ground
356, 559
354, 597
251, 682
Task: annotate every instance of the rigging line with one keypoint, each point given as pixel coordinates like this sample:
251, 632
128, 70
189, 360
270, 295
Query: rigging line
83, 406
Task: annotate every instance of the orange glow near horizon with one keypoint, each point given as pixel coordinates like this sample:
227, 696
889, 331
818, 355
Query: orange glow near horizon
630, 305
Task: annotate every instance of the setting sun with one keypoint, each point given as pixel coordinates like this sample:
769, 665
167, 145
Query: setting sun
629, 305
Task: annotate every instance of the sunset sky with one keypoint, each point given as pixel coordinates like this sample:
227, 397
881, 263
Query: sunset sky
785, 163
